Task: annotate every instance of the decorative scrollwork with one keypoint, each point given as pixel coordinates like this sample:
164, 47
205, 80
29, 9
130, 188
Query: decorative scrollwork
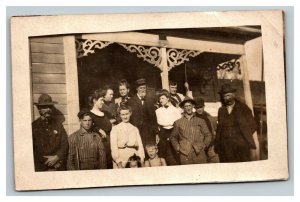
149, 54
229, 70
86, 47
79, 50
176, 57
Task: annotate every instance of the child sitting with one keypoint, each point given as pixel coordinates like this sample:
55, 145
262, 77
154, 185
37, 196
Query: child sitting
134, 162
153, 160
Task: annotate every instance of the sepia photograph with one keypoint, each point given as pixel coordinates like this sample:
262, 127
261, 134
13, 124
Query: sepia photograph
153, 100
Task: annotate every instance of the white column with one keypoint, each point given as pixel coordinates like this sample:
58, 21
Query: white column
71, 83
255, 154
164, 67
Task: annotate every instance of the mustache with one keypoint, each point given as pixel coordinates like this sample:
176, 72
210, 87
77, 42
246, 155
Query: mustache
43, 112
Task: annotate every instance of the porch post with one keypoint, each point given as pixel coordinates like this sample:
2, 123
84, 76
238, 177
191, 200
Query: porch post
72, 82
255, 154
164, 68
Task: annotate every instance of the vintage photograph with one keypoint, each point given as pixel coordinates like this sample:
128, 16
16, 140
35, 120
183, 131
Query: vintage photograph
110, 103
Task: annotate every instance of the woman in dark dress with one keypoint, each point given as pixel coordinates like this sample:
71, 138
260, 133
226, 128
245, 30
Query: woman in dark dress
102, 124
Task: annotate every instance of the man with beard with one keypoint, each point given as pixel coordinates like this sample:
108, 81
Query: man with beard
50, 140
143, 113
235, 129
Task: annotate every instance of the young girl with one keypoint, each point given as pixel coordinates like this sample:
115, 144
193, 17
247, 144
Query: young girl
134, 162
153, 160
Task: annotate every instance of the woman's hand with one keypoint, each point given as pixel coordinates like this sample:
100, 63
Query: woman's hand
102, 133
120, 165
157, 139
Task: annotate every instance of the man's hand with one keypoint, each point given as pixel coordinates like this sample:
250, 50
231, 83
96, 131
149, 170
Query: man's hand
186, 85
157, 139
102, 133
51, 160
113, 121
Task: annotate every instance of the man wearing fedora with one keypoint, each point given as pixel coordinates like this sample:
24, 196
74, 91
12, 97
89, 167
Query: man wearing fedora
143, 113
190, 136
236, 125
50, 140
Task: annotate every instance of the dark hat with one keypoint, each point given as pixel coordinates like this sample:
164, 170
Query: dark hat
83, 112
45, 99
187, 99
200, 103
140, 82
226, 88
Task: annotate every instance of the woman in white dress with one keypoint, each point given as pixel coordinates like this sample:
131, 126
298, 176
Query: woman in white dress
125, 140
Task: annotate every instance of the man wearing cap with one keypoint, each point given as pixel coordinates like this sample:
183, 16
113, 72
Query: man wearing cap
143, 113
236, 126
176, 97
211, 123
50, 140
190, 136
86, 151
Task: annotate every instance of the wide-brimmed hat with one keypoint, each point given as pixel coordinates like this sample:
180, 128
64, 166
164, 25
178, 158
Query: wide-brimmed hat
187, 99
140, 82
45, 99
226, 88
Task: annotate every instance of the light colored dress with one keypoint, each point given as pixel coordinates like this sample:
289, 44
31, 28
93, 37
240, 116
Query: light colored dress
125, 142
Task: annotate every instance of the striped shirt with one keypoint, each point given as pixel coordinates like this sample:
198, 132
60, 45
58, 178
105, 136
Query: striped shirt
86, 151
190, 133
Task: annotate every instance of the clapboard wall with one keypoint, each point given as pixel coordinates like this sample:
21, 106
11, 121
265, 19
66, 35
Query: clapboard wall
48, 74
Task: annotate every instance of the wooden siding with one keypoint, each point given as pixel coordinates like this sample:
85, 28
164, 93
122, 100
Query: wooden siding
48, 74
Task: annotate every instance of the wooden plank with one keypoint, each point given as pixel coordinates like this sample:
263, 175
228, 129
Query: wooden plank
46, 48
47, 58
172, 42
205, 46
49, 88
48, 78
59, 98
47, 68
48, 39
59, 110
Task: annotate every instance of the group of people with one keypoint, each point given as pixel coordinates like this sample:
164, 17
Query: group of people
136, 131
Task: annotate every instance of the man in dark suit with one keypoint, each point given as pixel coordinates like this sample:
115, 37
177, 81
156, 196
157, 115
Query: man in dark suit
50, 140
143, 113
236, 126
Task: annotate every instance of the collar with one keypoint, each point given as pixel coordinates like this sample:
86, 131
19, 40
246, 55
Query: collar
189, 117
140, 97
82, 131
231, 106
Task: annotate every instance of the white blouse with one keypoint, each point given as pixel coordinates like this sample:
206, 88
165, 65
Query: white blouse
125, 141
167, 116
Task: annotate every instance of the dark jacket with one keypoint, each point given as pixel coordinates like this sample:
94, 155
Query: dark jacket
245, 120
143, 115
49, 139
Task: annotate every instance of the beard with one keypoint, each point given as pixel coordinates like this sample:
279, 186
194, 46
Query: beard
229, 102
46, 114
